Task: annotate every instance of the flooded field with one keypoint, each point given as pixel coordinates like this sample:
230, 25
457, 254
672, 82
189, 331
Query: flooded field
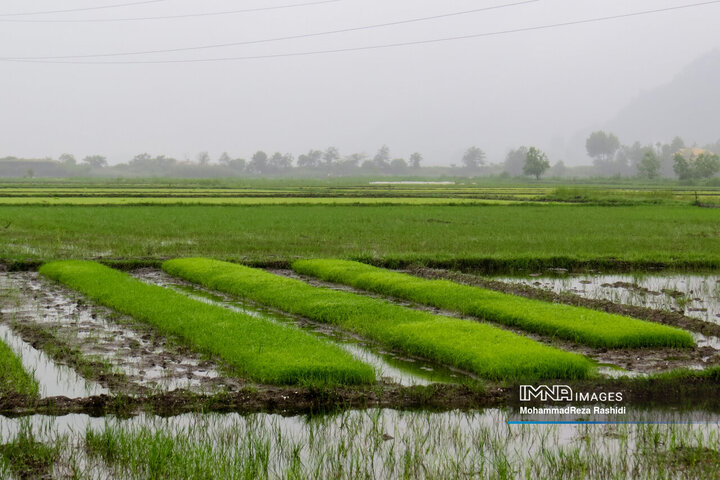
77, 349
694, 295
120, 354
376, 443
393, 367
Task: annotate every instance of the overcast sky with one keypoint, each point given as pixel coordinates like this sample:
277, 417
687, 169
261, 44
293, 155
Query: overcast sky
535, 88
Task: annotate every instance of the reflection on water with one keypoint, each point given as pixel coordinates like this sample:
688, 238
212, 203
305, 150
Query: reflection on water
691, 294
399, 369
375, 443
52, 379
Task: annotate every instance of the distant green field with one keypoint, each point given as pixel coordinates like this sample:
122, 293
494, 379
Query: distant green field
556, 234
252, 200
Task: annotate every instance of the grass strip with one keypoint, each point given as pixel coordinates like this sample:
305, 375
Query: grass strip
477, 347
578, 324
13, 377
263, 350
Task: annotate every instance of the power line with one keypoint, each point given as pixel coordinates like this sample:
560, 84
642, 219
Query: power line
380, 46
83, 9
276, 39
172, 17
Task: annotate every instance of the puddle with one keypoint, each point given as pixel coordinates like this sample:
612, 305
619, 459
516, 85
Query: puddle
374, 443
53, 380
693, 295
148, 361
393, 367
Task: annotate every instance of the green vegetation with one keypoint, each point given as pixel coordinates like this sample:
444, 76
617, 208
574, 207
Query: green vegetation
13, 378
582, 325
265, 351
477, 347
26, 457
461, 237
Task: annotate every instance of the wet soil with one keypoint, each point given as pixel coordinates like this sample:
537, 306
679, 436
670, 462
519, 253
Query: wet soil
633, 361
114, 350
400, 367
674, 319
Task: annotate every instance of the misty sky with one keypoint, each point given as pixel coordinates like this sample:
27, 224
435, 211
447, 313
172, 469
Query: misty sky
534, 88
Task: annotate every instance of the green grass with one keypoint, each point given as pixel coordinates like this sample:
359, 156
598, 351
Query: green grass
582, 325
478, 347
263, 350
464, 236
221, 200
13, 378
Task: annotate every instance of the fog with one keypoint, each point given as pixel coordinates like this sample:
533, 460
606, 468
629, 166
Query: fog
544, 87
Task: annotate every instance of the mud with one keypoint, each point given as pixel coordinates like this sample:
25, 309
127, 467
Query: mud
392, 366
114, 350
631, 362
672, 318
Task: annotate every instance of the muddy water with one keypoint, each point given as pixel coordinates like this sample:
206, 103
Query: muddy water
381, 443
696, 296
612, 363
390, 366
53, 379
145, 360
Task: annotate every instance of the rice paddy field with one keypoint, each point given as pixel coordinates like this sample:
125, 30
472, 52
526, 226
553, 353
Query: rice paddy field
358, 328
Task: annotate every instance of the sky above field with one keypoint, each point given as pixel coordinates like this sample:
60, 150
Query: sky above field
545, 87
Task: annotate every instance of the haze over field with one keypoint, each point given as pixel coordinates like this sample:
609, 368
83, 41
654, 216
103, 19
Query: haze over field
544, 87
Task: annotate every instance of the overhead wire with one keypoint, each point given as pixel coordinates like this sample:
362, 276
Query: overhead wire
277, 39
378, 46
172, 17
81, 9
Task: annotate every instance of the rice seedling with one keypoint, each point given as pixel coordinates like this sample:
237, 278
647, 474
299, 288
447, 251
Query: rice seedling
578, 324
13, 378
477, 347
261, 349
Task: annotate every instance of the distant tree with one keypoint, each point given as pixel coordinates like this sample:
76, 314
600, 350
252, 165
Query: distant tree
367, 164
536, 162
258, 163
415, 160
398, 165
602, 146
330, 156
30, 173
707, 165
68, 159
237, 164
649, 166
713, 147
352, 161
382, 157
310, 159
515, 161
203, 158
666, 153
682, 167
703, 165
140, 159
280, 162
224, 159
628, 158
557, 170
473, 157
95, 161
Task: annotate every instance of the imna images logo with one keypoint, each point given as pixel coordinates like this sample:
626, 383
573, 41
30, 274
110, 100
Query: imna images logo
546, 393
